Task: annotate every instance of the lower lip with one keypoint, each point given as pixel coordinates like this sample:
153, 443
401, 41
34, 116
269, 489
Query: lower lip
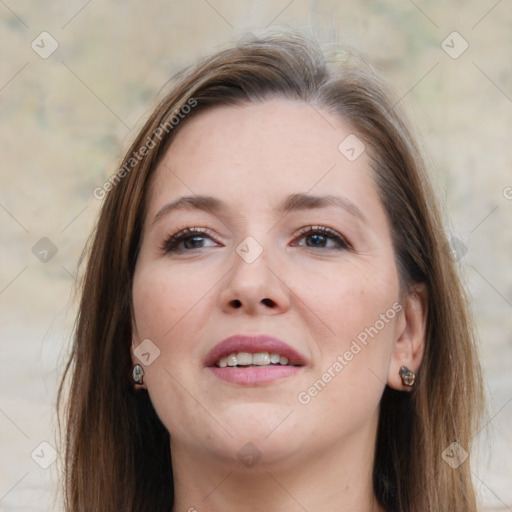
253, 376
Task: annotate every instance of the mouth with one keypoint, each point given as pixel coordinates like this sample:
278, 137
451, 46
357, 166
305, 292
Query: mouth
253, 360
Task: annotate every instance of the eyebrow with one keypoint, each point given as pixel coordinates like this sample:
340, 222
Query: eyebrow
206, 203
294, 202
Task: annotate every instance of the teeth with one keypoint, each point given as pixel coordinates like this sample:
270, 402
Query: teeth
274, 358
258, 359
244, 359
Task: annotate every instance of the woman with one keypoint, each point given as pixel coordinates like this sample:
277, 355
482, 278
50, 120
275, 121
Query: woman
271, 318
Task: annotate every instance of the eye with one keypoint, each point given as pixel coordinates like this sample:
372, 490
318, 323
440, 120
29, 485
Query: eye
321, 237
188, 239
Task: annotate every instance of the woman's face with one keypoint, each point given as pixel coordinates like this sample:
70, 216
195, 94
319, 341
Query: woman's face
287, 239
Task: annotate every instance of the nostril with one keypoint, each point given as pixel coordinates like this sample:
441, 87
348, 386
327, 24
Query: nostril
269, 302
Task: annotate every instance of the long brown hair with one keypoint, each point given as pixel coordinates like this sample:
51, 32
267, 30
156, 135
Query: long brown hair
117, 450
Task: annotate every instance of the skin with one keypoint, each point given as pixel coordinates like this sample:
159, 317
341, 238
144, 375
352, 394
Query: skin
314, 456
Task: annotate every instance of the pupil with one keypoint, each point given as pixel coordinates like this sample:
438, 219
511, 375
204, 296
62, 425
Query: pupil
316, 240
193, 242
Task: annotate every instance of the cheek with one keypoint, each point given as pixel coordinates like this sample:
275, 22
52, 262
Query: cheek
169, 305
348, 298
361, 310
172, 306
163, 297
346, 387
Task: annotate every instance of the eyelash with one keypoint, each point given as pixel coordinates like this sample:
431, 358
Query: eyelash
329, 233
172, 242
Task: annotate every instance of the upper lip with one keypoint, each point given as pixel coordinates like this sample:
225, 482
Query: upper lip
253, 344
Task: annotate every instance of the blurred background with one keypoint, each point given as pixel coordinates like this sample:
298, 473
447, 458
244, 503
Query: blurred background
78, 78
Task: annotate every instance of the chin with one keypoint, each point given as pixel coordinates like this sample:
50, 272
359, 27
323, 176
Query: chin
257, 454
262, 427
257, 420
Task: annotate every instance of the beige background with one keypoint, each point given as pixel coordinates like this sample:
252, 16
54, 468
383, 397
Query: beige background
66, 119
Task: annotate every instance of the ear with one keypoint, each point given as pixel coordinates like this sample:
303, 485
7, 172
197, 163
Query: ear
410, 336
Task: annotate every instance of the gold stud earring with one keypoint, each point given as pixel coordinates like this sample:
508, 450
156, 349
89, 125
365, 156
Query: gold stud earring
408, 376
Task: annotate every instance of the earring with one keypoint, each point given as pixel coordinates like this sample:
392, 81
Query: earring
408, 376
137, 376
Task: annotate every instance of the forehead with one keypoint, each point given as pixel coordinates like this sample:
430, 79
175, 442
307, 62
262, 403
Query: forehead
257, 152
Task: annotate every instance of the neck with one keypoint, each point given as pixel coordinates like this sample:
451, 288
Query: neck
339, 478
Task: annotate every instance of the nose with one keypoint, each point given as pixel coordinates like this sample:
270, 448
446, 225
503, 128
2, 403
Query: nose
254, 288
